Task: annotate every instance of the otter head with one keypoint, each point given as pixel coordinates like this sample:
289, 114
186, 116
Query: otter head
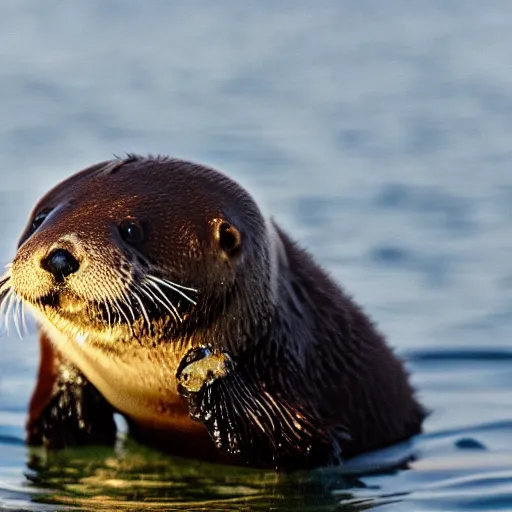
146, 248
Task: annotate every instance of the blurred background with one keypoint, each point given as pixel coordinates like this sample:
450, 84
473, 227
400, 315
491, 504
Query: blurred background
378, 134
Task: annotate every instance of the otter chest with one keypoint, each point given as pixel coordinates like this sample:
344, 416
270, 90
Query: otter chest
139, 382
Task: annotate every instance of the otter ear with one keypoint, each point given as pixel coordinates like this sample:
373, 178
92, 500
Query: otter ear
228, 237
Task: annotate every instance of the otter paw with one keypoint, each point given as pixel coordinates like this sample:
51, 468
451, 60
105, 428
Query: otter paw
76, 415
199, 375
201, 367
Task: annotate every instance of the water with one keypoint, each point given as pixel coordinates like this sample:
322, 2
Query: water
378, 134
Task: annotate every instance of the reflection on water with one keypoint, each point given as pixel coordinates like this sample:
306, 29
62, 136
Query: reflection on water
377, 133
133, 478
143, 479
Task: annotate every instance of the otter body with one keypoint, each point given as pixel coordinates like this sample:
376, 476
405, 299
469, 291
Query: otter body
163, 293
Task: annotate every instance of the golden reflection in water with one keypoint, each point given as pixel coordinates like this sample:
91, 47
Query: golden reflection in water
132, 477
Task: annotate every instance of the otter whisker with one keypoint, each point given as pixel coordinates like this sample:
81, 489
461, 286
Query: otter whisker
105, 299
113, 302
108, 306
148, 291
10, 302
167, 281
5, 281
116, 312
23, 318
4, 301
5, 289
136, 296
16, 315
107, 309
101, 307
8, 311
120, 312
174, 287
119, 293
107, 303
4, 297
145, 292
12, 309
167, 304
126, 299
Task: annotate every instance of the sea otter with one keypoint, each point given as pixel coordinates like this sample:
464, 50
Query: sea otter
163, 293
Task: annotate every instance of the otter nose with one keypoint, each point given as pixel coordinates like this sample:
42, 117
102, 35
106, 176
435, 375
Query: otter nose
61, 263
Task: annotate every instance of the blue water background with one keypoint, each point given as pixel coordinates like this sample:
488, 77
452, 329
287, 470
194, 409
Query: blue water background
378, 133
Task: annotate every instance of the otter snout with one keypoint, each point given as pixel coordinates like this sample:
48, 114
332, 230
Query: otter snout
60, 263
45, 263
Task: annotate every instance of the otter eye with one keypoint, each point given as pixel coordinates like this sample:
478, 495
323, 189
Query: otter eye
38, 220
131, 231
229, 238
